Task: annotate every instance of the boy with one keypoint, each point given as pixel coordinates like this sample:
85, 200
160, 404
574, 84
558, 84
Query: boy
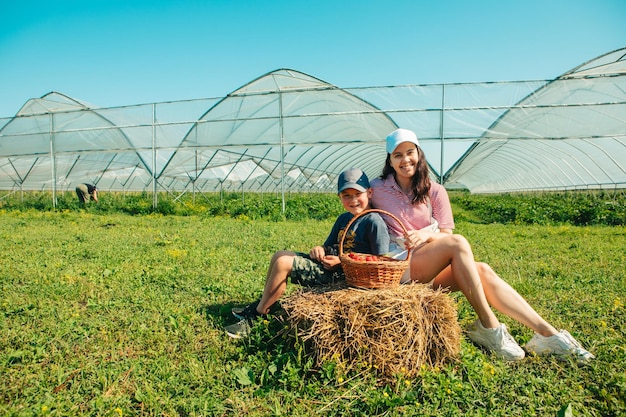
321, 266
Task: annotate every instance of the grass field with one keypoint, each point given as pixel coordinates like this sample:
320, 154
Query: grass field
115, 315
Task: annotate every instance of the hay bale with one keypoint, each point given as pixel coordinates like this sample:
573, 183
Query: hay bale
394, 330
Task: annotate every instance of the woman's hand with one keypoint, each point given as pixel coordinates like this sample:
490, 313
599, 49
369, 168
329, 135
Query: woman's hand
416, 238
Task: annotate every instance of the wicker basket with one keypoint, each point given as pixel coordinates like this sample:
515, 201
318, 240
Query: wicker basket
383, 273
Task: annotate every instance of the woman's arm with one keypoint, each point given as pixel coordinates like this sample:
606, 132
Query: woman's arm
416, 238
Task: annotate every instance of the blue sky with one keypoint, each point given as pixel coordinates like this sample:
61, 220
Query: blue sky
110, 52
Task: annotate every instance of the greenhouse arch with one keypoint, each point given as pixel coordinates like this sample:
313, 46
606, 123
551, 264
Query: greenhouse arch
568, 134
287, 131
283, 130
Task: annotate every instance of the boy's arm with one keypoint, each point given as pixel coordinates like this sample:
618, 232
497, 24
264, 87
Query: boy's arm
331, 244
379, 239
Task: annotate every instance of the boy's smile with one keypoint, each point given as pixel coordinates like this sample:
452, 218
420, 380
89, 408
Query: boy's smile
355, 201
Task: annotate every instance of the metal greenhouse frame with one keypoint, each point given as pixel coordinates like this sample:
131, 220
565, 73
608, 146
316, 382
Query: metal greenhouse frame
287, 131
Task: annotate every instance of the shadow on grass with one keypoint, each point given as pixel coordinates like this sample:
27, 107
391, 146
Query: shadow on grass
269, 334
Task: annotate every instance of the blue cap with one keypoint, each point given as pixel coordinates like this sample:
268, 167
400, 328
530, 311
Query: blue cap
353, 178
399, 136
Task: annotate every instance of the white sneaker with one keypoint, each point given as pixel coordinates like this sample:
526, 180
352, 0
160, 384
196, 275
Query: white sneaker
497, 340
560, 344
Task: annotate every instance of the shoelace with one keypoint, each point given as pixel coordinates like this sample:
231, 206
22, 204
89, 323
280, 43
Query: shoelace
573, 341
250, 311
507, 335
510, 338
583, 354
577, 347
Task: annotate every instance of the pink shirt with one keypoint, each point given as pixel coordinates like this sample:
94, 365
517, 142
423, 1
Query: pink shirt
388, 196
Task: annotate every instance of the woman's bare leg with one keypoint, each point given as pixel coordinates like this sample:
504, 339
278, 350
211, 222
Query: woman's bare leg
508, 301
450, 261
460, 276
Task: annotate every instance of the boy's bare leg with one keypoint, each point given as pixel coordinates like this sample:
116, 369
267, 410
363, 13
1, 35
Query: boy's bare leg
276, 280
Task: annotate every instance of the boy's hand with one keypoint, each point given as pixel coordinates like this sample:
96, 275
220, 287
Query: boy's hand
331, 261
317, 253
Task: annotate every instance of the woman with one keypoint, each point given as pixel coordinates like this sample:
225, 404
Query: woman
446, 260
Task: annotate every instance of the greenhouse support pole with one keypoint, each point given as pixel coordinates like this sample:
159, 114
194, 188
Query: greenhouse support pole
195, 177
282, 149
154, 175
53, 163
441, 130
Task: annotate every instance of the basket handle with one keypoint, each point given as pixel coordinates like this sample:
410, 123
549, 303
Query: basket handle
345, 231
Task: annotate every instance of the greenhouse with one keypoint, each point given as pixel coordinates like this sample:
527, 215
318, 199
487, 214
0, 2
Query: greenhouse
288, 131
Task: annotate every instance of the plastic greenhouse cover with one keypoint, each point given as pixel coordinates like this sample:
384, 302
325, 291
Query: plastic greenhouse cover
287, 130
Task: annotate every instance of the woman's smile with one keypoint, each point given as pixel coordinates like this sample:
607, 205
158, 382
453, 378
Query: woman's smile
404, 159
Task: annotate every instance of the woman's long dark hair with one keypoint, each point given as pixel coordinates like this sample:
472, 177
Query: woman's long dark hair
420, 183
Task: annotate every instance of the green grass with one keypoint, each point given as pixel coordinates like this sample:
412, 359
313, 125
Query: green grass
113, 314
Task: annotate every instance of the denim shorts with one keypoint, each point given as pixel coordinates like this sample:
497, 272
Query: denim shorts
308, 272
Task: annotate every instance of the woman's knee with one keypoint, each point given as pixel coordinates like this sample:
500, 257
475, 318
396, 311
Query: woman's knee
486, 273
458, 242
484, 268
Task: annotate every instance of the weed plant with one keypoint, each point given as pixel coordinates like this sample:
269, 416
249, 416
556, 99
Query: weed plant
115, 313
300, 206
577, 208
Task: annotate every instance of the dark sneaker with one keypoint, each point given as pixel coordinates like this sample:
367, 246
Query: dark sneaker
247, 316
247, 312
239, 329
237, 311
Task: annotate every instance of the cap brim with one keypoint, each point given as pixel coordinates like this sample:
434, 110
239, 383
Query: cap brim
352, 185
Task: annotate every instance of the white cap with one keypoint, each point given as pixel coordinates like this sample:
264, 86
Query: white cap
399, 136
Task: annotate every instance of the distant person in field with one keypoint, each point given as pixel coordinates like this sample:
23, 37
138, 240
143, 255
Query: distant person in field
321, 266
445, 260
86, 193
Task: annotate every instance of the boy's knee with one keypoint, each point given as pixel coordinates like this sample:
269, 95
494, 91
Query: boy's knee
278, 255
284, 261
